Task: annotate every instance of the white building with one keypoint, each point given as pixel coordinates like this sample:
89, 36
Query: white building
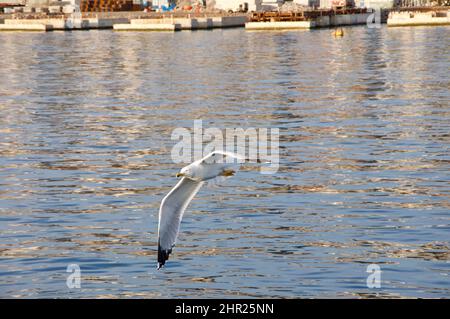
376, 4
271, 5
249, 5
160, 3
306, 3
237, 5
336, 3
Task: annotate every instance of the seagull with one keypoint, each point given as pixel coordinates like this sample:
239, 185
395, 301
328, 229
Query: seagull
214, 165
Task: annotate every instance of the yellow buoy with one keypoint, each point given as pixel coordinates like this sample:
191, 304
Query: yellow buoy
339, 32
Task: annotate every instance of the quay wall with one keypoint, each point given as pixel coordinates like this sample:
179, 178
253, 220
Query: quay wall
414, 18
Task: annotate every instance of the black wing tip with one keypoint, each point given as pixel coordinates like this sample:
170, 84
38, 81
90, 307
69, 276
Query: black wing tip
163, 255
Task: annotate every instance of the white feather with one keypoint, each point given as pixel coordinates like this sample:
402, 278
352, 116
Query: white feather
171, 212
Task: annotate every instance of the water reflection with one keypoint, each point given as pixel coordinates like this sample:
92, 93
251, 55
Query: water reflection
85, 125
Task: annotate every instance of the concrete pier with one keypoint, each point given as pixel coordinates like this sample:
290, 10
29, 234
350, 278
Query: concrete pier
418, 18
279, 25
25, 27
178, 24
147, 25
51, 24
317, 22
123, 24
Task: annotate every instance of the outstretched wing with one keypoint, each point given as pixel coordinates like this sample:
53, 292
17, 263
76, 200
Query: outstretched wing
220, 159
171, 213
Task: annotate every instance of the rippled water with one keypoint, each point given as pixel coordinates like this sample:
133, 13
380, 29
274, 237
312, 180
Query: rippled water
85, 126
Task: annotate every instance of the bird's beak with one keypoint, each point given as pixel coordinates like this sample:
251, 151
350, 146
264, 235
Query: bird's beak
180, 175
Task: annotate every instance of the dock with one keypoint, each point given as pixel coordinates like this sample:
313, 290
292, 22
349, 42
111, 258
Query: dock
419, 17
178, 24
179, 21
308, 19
59, 23
25, 27
120, 21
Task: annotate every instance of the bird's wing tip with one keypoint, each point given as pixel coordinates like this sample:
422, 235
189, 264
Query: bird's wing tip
163, 255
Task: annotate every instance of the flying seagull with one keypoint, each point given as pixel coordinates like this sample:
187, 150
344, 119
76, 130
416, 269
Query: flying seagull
172, 207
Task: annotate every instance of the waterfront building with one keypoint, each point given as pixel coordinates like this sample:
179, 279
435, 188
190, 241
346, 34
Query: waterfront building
247, 5
376, 4
306, 3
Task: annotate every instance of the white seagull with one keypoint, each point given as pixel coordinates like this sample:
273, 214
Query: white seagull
174, 204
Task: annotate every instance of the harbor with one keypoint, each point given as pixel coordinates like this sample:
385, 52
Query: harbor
307, 19
86, 123
273, 149
137, 15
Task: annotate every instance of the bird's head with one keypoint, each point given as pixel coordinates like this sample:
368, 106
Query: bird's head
213, 165
186, 172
